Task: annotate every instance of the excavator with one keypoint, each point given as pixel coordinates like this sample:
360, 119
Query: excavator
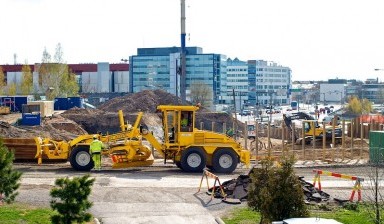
189, 148
311, 127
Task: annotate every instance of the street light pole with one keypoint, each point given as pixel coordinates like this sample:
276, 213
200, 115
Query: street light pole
323, 98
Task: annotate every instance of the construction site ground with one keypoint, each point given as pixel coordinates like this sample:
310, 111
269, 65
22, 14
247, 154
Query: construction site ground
161, 191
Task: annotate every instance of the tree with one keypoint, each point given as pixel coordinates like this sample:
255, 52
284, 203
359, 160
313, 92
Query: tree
27, 80
8, 176
2, 81
201, 93
12, 89
357, 106
366, 106
70, 200
373, 187
276, 192
55, 77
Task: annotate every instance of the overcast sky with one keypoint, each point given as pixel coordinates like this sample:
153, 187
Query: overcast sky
317, 39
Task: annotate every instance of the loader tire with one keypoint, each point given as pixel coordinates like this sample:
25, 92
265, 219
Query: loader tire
80, 159
193, 160
224, 160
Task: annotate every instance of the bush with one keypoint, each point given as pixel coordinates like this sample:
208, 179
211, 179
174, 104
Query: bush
70, 199
8, 177
276, 192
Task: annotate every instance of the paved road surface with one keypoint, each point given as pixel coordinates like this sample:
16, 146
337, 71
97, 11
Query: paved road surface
159, 194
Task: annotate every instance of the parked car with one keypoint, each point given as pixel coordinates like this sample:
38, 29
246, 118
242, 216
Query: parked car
245, 113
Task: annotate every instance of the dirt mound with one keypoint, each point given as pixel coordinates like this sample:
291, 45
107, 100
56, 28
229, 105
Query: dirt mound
78, 121
145, 101
56, 127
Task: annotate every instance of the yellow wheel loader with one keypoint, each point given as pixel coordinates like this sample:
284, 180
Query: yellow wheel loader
189, 148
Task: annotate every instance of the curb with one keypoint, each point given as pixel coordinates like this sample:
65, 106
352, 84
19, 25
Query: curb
219, 220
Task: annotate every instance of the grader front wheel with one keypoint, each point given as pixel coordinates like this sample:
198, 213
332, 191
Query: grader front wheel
80, 159
193, 160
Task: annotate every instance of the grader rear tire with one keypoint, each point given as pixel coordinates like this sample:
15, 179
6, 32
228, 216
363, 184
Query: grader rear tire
224, 160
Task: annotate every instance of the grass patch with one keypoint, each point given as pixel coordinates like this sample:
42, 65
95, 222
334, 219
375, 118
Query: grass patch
21, 213
242, 215
360, 215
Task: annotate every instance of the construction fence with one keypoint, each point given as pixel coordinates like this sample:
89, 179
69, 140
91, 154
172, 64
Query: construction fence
277, 140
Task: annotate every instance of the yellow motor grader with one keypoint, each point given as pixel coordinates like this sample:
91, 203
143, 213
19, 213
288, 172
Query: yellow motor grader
189, 148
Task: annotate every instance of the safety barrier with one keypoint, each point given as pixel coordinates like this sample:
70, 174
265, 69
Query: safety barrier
207, 174
356, 187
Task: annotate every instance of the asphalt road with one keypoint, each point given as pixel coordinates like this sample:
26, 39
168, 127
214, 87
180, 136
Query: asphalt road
160, 193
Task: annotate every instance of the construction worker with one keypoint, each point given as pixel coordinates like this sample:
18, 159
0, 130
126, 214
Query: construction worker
95, 151
184, 121
230, 132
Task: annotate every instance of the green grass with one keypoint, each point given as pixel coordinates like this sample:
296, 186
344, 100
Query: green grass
242, 216
20, 213
359, 216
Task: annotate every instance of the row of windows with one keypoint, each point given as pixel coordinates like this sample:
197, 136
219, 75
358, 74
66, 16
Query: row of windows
237, 75
272, 80
271, 70
237, 87
271, 75
238, 80
236, 69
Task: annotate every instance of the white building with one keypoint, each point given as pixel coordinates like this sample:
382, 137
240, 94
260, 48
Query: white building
269, 83
332, 92
237, 82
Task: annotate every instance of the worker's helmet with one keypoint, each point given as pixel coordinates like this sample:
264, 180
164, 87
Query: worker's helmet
94, 136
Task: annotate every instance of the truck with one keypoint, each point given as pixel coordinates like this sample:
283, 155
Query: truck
311, 127
189, 148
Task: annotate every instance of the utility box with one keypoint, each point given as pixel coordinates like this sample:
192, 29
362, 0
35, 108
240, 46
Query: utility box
31, 119
45, 108
376, 147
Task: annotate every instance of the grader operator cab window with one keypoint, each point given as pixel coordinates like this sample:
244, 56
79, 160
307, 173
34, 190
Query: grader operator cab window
186, 121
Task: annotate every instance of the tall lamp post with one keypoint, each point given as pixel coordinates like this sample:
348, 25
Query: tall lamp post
380, 91
323, 98
341, 97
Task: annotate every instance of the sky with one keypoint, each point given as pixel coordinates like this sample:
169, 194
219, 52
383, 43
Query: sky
317, 39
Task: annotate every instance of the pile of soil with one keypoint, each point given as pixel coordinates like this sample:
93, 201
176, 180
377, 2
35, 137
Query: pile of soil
55, 127
145, 101
104, 119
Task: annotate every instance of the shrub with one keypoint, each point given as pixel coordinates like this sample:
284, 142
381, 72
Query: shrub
70, 199
8, 177
276, 192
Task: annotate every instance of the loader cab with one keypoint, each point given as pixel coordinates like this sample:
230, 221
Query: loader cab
178, 123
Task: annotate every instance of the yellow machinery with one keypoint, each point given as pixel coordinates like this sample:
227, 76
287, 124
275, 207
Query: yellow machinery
311, 127
5, 110
191, 149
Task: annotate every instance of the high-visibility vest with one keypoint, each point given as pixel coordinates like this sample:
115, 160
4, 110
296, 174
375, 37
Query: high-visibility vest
96, 146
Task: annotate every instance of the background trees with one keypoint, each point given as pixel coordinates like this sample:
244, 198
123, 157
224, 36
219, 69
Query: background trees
201, 93
2, 81
55, 77
26, 84
358, 106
